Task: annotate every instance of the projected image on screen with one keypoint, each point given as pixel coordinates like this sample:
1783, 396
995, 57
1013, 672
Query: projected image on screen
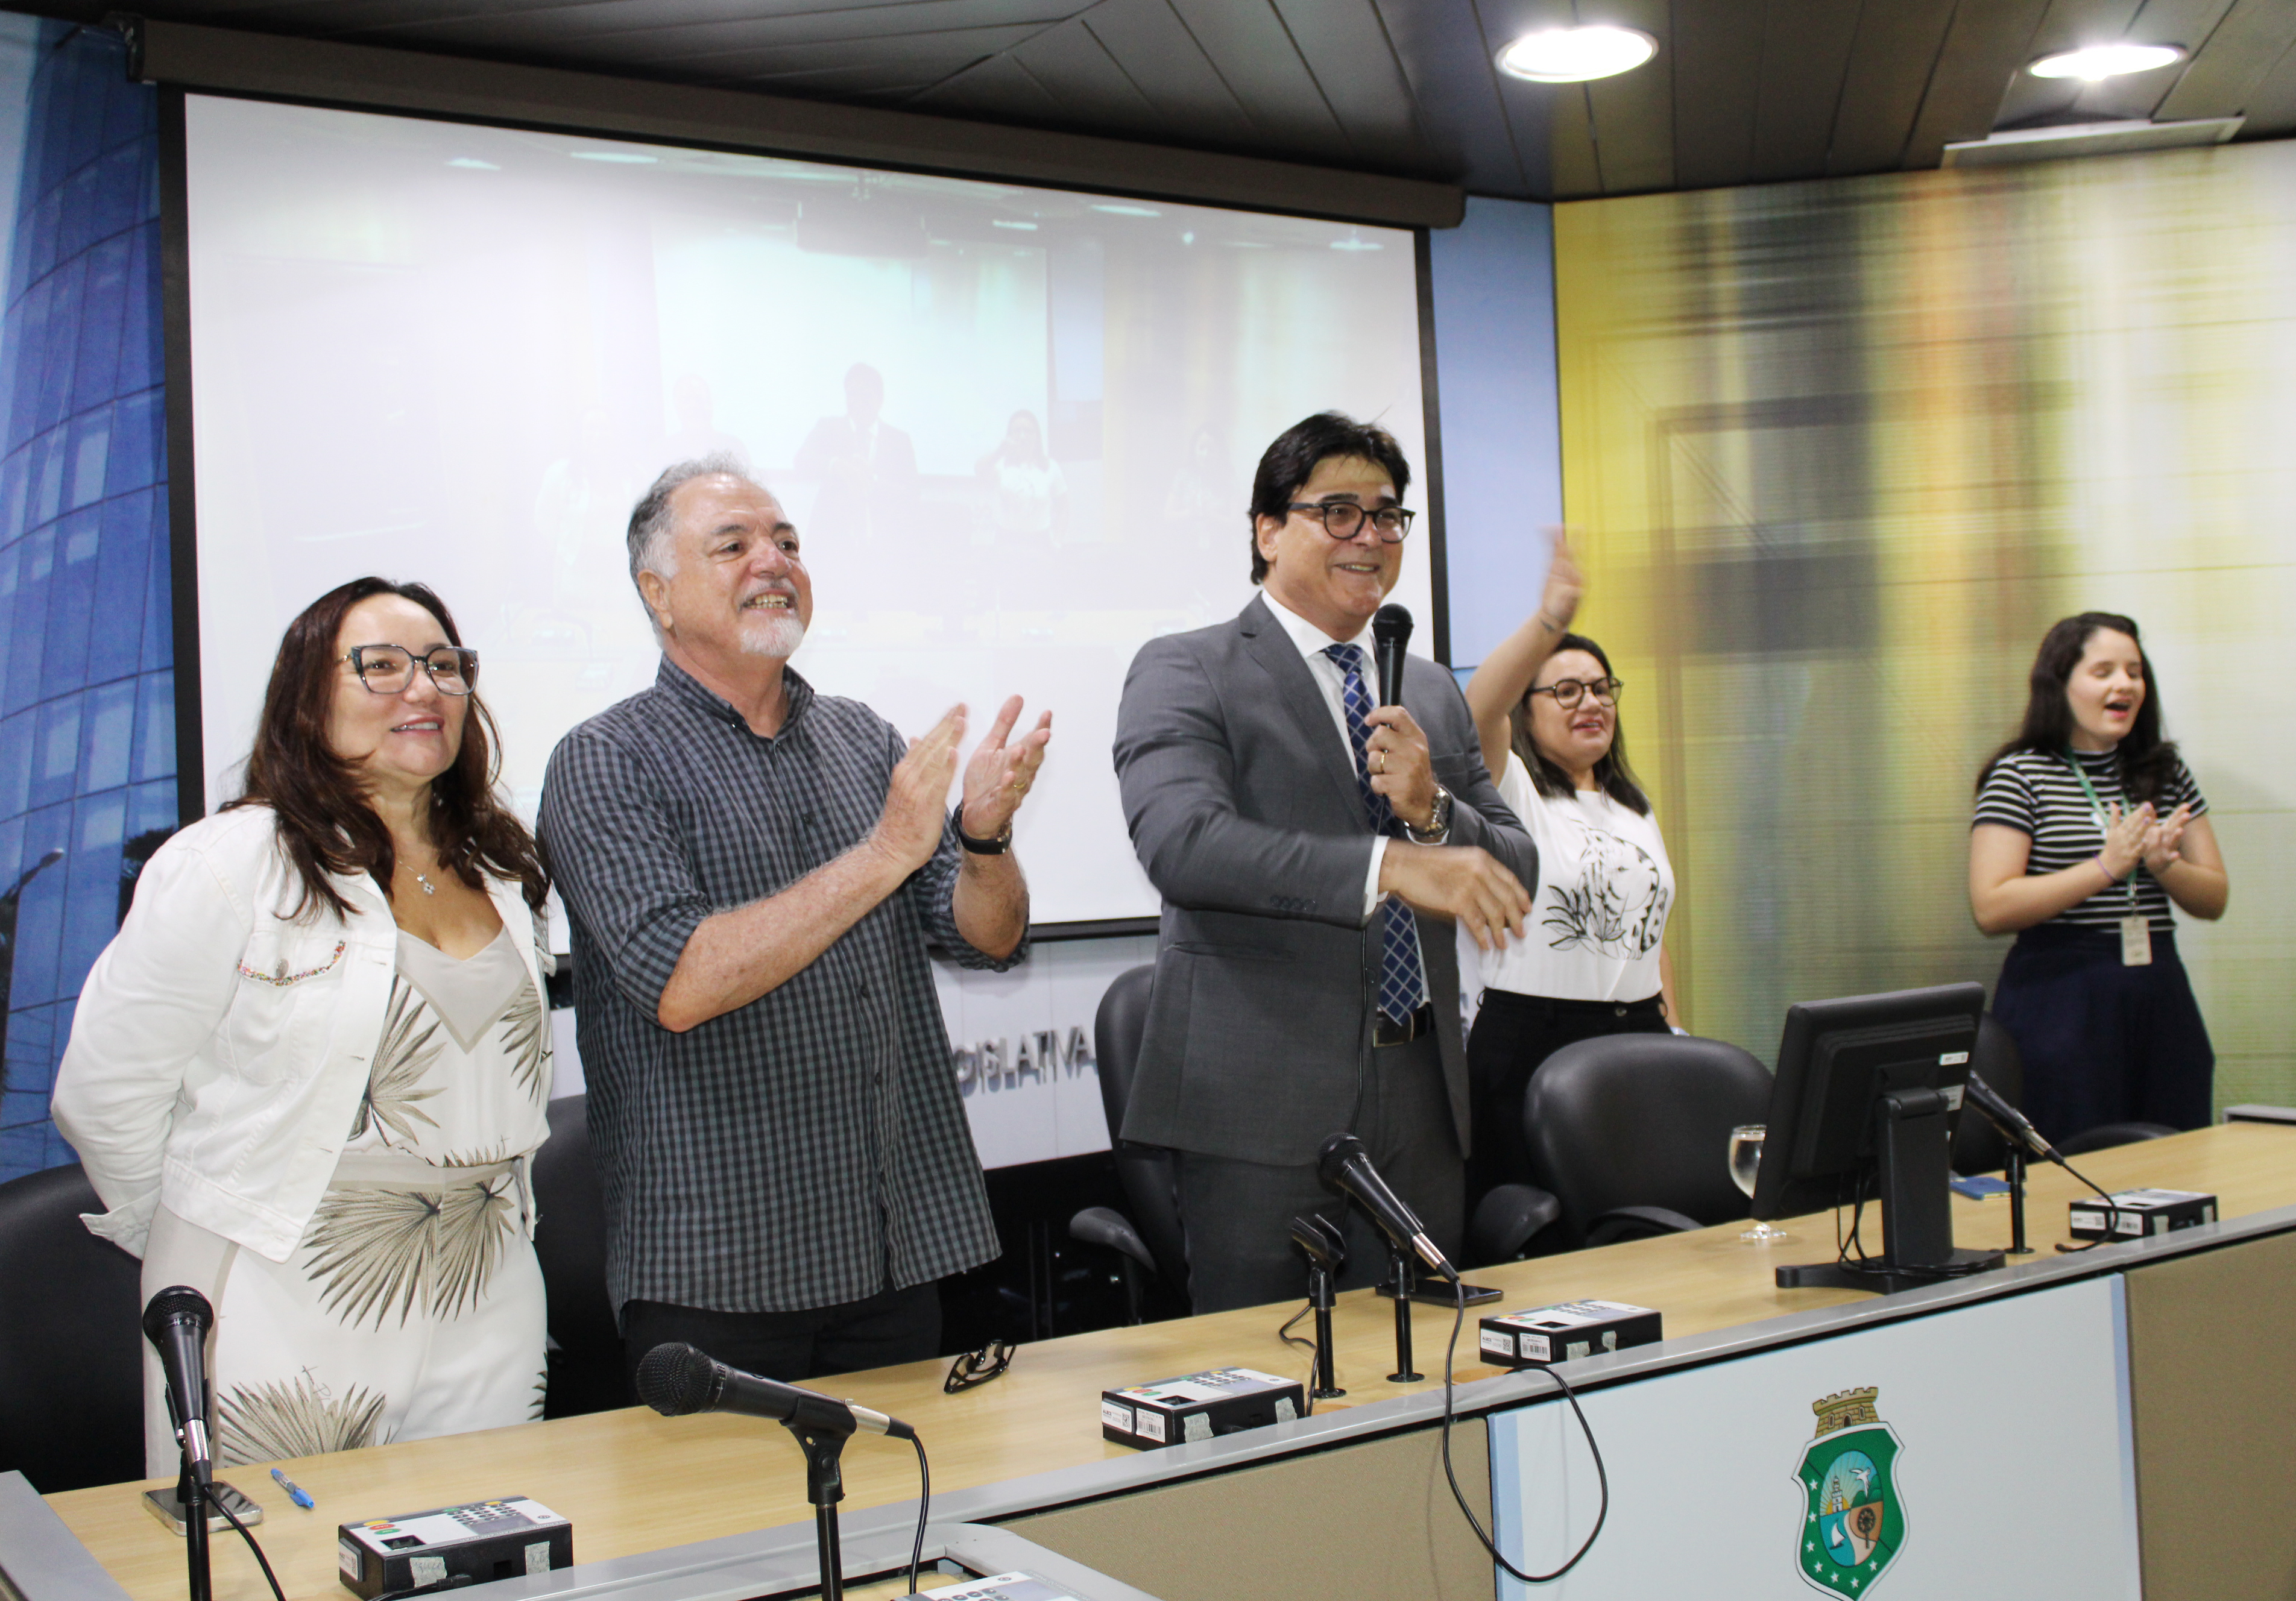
1014, 427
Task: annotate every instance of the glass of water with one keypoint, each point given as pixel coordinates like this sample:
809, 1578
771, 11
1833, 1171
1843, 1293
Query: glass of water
1745, 1162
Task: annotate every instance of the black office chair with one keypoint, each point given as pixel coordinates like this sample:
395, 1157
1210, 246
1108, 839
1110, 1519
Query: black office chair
1146, 1237
1978, 1147
587, 1373
1631, 1133
71, 1362
2104, 1136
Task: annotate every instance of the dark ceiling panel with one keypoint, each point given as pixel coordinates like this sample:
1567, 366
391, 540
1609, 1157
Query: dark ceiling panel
1249, 47
1988, 40
1530, 108
1714, 104
1891, 63
1448, 61
1093, 90
1634, 113
621, 29
1163, 60
1576, 165
1806, 46
920, 58
2225, 76
1346, 47
2272, 103
999, 89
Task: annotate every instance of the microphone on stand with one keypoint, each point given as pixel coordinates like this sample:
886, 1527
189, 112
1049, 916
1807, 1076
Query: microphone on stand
2012, 1122
1345, 1168
1390, 637
675, 1379
177, 1322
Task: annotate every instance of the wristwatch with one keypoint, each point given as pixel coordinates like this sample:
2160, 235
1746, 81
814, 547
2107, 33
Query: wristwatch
985, 847
1439, 825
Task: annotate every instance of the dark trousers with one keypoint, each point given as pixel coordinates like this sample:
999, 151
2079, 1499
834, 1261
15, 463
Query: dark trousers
1512, 1035
892, 1326
2101, 1043
1237, 1215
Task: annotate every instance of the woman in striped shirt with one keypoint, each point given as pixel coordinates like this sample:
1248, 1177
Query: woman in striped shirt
2089, 829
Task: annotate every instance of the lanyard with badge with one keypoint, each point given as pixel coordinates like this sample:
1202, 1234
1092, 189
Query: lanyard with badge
2136, 929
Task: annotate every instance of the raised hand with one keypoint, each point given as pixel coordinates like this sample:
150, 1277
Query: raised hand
2124, 838
2161, 839
908, 829
997, 777
1558, 603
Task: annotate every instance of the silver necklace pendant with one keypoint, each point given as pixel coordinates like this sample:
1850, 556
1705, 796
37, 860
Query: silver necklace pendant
429, 888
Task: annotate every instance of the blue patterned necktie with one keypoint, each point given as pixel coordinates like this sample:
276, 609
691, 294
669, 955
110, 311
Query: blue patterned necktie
1402, 980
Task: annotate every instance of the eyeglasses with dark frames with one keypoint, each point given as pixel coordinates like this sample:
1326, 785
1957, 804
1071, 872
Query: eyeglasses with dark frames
1569, 692
977, 1366
389, 669
1344, 519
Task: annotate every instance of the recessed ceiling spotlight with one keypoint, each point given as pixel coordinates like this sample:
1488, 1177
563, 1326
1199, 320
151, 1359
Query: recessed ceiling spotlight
2098, 62
1571, 55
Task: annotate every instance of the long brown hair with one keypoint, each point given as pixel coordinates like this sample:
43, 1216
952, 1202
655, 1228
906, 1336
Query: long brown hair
2147, 761
325, 822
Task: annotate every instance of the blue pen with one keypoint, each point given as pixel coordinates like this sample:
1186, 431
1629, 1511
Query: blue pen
295, 1492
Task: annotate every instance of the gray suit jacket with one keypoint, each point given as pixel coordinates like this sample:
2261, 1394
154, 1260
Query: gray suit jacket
1243, 807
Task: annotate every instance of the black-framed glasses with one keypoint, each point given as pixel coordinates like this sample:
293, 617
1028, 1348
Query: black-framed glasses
388, 669
1569, 692
1344, 519
977, 1366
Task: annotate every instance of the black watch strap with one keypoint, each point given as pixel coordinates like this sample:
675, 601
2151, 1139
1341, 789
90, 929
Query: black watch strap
980, 847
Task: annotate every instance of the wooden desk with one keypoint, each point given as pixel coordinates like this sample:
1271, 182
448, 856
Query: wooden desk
633, 1482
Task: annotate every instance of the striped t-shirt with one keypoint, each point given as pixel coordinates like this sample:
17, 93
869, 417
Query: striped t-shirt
2039, 796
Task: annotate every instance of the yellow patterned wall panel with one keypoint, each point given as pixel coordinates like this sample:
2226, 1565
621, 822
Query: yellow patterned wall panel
1838, 452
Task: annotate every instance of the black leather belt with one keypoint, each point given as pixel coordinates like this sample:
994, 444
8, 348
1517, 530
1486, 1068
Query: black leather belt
1386, 1030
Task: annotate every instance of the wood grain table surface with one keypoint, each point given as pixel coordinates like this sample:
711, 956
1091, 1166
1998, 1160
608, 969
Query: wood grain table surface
633, 1482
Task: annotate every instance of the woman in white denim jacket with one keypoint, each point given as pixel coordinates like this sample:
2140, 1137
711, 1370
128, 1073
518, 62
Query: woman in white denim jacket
309, 1076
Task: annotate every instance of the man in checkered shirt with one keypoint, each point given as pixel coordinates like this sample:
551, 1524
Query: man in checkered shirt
755, 871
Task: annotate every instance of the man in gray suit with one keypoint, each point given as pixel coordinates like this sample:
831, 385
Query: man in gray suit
1313, 850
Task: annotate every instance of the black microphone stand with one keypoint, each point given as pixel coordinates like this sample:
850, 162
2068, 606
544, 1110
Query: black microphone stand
190, 1497
2014, 1170
1320, 1296
1399, 1267
824, 1487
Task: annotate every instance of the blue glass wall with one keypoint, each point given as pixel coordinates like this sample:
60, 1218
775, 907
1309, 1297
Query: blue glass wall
88, 755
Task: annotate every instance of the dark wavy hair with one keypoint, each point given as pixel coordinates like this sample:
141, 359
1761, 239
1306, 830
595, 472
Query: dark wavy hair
1611, 772
2147, 761
325, 822
1286, 465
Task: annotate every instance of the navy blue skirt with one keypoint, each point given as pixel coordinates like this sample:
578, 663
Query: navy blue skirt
2102, 1042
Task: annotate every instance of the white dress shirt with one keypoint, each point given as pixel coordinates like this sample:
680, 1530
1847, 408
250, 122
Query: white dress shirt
1311, 641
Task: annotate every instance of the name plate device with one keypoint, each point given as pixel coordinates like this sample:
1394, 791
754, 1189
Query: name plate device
1198, 1406
1001, 1587
2137, 1212
476, 1542
1546, 1335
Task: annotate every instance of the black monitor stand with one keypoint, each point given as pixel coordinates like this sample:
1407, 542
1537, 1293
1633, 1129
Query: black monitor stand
1912, 1148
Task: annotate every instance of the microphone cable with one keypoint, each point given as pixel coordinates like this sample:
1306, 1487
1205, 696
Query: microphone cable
220, 1504
1458, 1322
924, 1506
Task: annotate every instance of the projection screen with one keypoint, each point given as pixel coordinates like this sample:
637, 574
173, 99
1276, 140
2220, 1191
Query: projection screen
1015, 427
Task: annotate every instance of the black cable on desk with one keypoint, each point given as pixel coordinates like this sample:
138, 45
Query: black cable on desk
218, 1503
924, 1506
1458, 1321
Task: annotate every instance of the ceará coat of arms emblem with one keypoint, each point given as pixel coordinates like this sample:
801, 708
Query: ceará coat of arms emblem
1854, 1522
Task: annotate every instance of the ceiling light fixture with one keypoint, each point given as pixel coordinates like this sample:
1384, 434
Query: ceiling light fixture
1571, 55
2097, 62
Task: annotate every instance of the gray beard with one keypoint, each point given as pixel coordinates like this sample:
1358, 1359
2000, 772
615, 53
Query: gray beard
779, 634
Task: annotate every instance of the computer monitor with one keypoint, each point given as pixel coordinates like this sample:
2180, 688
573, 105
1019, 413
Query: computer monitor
1862, 1109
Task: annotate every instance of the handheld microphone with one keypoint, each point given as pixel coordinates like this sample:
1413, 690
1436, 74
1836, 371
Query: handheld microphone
2012, 1122
676, 1379
1345, 1168
1390, 637
177, 1322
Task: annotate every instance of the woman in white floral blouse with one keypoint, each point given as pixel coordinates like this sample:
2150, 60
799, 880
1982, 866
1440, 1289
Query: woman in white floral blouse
309, 1076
